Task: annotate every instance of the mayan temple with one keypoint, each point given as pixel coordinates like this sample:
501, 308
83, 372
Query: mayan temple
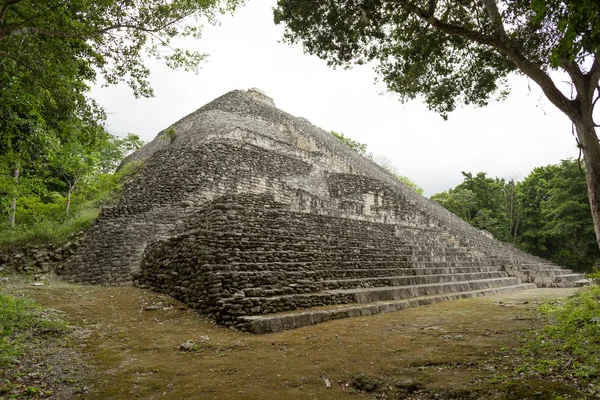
264, 222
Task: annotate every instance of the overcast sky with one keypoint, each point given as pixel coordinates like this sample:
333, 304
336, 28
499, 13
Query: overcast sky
506, 139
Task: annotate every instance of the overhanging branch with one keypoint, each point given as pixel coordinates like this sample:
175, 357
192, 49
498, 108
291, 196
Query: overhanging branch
575, 74
24, 31
496, 19
501, 43
6, 6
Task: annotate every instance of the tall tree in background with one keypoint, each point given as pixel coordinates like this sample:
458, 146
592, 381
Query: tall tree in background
556, 222
480, 201
382, 161
546, 214
51, 50
451, 52
55, 40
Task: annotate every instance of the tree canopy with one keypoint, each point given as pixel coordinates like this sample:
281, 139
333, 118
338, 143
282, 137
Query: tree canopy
52, 50
547, 213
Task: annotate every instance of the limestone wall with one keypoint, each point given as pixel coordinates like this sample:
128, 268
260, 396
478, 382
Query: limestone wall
241, 144
250, 255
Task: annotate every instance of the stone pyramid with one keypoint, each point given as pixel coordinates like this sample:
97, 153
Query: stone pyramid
264, 222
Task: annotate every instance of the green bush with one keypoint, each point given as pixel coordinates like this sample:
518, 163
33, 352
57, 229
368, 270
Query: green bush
18, 317
42, 219
569, 345
594, 275
170, 134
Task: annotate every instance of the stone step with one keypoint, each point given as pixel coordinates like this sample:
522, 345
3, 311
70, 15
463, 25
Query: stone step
578, 283
374, 272
309, 236
417, 248
568, 277
369, 295
441, 264
270, 301
564, 281
261, 243
545, 277
275, 274
292, 320
219, 256
322, 267
277, 283
407, 280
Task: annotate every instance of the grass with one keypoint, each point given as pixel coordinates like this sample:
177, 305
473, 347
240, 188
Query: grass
49, 231
19, 319
570, 344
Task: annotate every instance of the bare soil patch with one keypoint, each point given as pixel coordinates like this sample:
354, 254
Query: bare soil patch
139, 344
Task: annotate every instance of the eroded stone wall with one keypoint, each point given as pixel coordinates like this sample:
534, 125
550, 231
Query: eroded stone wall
250, 210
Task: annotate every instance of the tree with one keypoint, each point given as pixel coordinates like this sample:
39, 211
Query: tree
459, 201
480, 201
533, 191
546, 214
386, 164
113, 37
556, 219
75, 162
512, 207
114, 150
360, 148
51, 50
452, 52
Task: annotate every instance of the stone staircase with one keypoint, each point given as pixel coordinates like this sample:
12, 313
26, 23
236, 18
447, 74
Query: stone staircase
252, 264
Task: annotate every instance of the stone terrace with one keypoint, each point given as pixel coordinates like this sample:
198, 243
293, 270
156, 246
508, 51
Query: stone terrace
252, 261
264, 222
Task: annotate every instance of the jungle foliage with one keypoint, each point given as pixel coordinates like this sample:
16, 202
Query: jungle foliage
61, 194
52, 134
568, 346
547, 213
20, 317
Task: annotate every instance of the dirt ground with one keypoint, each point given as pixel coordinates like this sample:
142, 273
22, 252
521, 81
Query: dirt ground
130, 343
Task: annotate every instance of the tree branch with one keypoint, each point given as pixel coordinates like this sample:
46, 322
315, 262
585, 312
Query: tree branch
448, 28
87, 35
496, 19
576, 75
594, 73
594, 104
16, 59
6, 6
502, 44
431, 7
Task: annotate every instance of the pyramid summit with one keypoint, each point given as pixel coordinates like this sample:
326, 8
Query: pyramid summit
249, 214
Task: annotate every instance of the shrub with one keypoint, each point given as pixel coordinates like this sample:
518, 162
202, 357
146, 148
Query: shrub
19, 316
569, 345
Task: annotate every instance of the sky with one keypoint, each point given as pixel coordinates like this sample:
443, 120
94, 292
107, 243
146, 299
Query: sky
505, 139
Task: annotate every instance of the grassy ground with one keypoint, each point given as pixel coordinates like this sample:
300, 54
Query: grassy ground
132, 342
34, 357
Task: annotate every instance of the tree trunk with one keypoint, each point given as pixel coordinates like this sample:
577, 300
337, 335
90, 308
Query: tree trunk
13, 203
68, 201
586, 133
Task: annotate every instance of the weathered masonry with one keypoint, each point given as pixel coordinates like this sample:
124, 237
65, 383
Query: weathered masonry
264, 222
